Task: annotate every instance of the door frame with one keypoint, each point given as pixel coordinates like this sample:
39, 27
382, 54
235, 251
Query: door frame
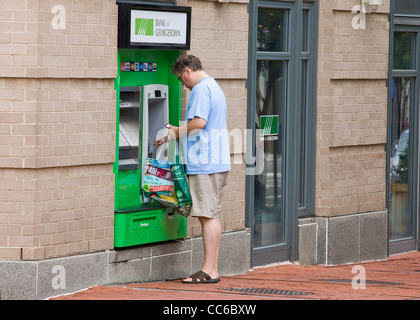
289, 250
408, 23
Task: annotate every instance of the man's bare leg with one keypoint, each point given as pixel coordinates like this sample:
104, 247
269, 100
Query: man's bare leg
212, 230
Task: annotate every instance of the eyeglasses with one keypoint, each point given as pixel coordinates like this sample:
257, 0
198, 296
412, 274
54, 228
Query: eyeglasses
180, 76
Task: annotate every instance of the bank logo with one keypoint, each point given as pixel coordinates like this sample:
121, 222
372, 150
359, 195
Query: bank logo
144, 27
269, 125
269, 128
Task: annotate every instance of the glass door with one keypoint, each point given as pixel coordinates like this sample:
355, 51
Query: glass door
280, 84
269, 98
403, 138
270, 120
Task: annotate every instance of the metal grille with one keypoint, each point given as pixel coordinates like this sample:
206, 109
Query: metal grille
268, 291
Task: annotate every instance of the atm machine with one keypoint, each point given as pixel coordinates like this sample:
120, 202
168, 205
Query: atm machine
148, 97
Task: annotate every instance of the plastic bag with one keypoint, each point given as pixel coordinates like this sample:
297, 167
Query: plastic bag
157, 179
168, 202
182, 190
180, 198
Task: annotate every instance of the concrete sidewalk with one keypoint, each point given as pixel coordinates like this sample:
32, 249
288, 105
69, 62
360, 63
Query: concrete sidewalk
397, 278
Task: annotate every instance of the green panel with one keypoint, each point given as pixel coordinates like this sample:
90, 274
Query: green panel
127, 183
164, 75
137, 223
127, 188
136, 228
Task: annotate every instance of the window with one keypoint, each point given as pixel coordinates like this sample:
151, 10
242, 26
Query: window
307, 113
403, 126
407, 6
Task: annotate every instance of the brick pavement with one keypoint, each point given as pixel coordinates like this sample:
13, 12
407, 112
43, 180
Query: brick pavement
397, 278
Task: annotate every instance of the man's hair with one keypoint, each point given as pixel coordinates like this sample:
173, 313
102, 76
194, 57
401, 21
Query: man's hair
184, 61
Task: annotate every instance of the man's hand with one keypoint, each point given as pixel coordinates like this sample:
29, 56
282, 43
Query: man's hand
174, 132
164, 139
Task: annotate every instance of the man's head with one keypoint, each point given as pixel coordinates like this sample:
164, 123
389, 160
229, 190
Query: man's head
186, 61
189, 70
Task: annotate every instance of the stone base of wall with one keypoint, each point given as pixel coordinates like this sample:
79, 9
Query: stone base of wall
344, 239
34, 280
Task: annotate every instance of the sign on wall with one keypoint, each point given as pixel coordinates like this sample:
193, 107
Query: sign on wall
158, 27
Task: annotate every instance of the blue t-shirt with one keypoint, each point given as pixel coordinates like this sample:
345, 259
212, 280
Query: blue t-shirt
206, 151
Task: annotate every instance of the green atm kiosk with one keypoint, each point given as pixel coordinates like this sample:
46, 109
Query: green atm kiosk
150, 38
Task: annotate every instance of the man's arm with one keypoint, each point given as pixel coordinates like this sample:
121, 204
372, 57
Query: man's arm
176, 132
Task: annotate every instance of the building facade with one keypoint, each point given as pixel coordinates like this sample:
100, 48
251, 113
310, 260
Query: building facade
323, 115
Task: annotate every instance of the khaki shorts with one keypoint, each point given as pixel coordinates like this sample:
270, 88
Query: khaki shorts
207, 192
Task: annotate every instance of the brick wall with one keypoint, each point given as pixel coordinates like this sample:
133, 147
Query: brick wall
57, 129
352, 106
219, 38
32, 47
74, 207
17, 214
56, 122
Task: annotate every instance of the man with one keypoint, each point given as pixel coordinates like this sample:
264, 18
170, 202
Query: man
207, 156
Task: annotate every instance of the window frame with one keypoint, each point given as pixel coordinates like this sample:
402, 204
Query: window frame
403, 22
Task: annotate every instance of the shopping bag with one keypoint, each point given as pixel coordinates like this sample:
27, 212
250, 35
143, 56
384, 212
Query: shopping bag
157, 179
182, 190
171, 191
180, 198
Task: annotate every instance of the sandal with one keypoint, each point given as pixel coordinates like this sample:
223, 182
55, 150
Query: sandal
201, 277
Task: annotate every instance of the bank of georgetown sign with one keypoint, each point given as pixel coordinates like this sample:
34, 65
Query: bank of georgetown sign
158, 27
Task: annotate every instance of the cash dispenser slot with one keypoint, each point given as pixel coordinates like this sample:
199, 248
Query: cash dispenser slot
155, 116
